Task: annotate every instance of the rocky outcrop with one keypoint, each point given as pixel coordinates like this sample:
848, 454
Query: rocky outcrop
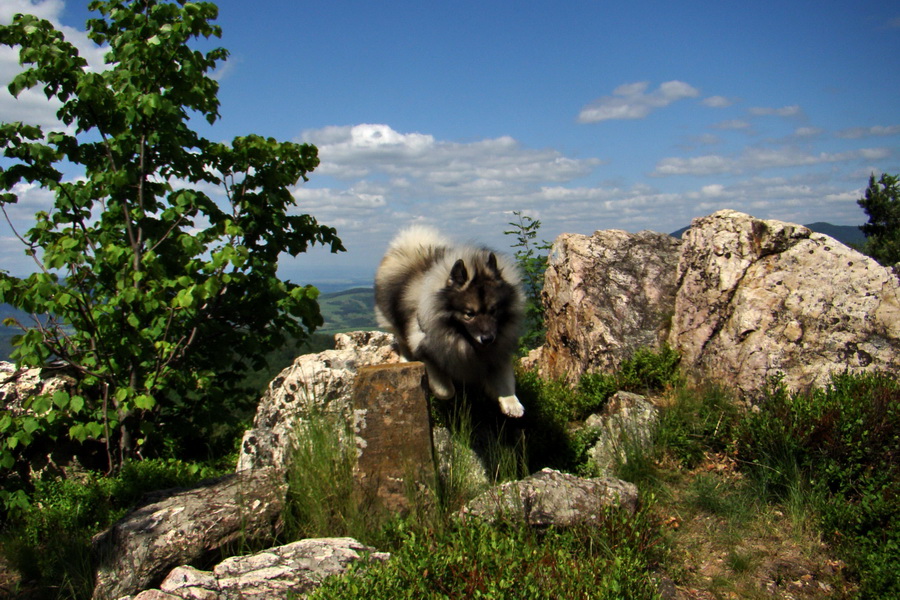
186, 526
748, 299
605, 296
289, 571
550, 498
322, 382
756, 298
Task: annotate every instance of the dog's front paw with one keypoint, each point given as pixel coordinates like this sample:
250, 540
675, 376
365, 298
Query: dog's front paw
511, 406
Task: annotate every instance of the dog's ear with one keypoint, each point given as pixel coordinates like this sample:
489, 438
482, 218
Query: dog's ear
458, 274
492, 264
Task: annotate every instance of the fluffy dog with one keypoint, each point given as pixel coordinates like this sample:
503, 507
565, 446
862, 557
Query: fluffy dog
457, 309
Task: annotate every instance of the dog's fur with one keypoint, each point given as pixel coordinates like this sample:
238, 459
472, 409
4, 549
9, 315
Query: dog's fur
457, 309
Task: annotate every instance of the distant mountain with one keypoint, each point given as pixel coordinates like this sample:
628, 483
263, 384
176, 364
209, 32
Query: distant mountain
348, 310
849, 235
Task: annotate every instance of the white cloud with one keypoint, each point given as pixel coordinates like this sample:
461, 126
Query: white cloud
785, 111
863, 132
354, 152
755, 159
733, 124
718, 102
633, 101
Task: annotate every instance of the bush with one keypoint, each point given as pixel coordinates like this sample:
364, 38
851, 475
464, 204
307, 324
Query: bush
473, 559
843, 443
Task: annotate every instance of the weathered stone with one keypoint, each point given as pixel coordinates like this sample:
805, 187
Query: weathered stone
182, 526
155, 595
550, 498
605, 296
393, 432
323, 382
17, 385
296, 568
189, 583
626, 422
756, 298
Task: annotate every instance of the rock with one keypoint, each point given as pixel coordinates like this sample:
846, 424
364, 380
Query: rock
324, 381
17, 385
550, 498
604, 297
189, 583
296, 568
627, 419
756, 298
289, 571
182, 526
392, 426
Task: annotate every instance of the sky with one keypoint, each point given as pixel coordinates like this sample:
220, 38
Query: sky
585, 115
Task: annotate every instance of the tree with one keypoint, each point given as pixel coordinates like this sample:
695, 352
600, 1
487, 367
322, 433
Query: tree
882, 203
157, 291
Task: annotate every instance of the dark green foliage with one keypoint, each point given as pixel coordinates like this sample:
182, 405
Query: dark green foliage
699, 421
160, 297
49, 540
882, 204
551, 407
532, 266
843, 443
477, 560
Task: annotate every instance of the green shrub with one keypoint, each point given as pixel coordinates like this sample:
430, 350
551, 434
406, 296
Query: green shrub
842, 442
48, 541
700, 420
472, 559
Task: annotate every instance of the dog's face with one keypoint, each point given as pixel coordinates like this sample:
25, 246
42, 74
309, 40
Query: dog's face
477, 303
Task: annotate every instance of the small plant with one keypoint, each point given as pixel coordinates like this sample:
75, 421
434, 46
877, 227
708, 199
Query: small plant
532, 265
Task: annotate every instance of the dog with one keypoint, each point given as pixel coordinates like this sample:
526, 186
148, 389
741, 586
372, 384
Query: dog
456, 308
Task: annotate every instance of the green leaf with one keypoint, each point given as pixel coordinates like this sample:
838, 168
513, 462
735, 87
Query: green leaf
144, 402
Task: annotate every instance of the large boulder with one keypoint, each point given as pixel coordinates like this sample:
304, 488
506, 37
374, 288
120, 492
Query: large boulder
604, 296
757, 298
179, 527
321, 382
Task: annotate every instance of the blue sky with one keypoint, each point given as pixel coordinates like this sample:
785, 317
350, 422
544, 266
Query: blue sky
585, 115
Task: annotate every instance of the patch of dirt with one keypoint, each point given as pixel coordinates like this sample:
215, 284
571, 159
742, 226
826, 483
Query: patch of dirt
726, 545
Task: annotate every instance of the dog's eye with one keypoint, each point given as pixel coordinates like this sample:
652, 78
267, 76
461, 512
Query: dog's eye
469, 314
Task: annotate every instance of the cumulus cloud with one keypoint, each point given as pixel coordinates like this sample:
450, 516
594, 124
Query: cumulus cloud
366, 150
633, 101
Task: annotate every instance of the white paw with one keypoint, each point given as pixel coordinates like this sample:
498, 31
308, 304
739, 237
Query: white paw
511, 406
